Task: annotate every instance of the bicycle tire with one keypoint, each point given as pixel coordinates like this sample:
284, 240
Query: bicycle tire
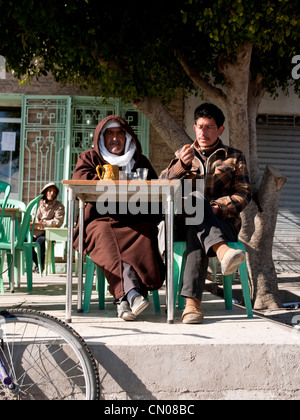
46, 358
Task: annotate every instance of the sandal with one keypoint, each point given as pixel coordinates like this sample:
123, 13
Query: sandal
192, 315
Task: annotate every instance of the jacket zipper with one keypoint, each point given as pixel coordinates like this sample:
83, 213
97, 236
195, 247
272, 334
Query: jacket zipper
205, 168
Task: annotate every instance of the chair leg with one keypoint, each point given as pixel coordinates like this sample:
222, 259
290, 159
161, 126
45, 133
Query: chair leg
1, 286
28, 257
1, 277
179, 266
8, 259
244, 279
245, 288
88, 286
101, 286
156, 301
227, 285
39, 258
52, 258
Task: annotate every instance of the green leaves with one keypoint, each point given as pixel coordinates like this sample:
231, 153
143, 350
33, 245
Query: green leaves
131, 52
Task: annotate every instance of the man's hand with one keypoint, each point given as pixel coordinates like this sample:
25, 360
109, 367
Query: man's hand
37, 225
215, 208
187, 155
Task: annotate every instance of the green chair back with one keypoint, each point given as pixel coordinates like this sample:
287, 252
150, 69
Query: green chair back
23, 242
25, 233
4, 188
6, 222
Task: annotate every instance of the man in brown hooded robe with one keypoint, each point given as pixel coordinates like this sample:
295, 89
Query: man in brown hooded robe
125, 246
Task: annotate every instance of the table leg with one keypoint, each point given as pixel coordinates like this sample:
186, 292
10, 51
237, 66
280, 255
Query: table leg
48, 252
71, 198
169, 245
80, 256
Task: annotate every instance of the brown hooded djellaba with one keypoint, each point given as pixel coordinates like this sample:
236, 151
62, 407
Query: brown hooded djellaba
113, 239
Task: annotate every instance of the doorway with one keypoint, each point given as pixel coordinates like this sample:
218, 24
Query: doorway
10, 127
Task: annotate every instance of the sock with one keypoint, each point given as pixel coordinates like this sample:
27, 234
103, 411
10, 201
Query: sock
131, 293
220, 250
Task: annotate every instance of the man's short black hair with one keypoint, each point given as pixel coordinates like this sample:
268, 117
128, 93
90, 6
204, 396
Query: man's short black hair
207, 110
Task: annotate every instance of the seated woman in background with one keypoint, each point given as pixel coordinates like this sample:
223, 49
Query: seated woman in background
51, 213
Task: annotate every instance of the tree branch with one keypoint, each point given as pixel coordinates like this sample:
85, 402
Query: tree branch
111, 65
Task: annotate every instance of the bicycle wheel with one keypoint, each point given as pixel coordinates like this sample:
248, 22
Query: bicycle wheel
45, 358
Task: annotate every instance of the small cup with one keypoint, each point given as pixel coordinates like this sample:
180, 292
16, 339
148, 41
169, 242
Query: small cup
131, 176
122, 176
142, 173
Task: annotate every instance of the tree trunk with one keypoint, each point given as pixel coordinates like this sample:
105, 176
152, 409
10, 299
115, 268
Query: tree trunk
259, 219
255, 94
237, 80
259, 243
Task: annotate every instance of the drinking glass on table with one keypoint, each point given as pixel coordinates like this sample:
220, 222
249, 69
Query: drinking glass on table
142, 174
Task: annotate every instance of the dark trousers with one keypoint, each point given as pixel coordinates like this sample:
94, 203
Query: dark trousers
199, 241
40, 240
131, 281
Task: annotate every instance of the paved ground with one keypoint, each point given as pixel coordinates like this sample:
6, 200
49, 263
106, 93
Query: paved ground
48, 295
227, 357
289, 293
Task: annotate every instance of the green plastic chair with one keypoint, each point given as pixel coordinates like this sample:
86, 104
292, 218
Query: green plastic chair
6, 224
24, 241
227, 283
4, 188
179, 264
101, 287
10, 204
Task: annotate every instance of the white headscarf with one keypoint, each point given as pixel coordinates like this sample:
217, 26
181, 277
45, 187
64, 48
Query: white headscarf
124, 161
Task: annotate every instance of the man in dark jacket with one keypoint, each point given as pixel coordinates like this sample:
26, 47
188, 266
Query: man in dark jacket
125, 246
226, 194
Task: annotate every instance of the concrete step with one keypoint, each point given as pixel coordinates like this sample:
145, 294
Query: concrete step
227, 357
